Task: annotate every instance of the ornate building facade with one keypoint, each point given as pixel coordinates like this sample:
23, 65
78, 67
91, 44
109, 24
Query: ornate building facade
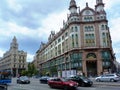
14, 59
82, 46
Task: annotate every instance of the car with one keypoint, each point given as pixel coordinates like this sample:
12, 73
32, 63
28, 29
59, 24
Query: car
44, 79
82, 80
62, 83
3, 87
108, 77
23, 80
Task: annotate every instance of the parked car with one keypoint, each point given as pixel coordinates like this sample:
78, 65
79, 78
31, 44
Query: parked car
23, 80
44, 79
82, 80
108, 77
62, 83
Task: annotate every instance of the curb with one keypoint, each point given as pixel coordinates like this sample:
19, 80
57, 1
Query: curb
106, 84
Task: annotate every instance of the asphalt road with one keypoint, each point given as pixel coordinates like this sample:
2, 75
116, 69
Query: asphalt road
35, 85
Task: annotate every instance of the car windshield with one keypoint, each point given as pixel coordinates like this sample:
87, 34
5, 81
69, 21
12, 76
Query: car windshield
84, 77
24, 78
44, 77
65, 79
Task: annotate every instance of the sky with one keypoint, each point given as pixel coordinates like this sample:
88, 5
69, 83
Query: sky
31, 21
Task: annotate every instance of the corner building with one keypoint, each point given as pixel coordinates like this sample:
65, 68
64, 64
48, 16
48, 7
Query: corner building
14, 60
82, 46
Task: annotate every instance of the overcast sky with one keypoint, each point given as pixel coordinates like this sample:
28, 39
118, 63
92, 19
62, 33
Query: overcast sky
31, 21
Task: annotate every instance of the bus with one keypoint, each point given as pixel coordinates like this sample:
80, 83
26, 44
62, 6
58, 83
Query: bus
5, 77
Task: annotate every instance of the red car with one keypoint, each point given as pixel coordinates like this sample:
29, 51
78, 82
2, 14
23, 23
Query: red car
62, 83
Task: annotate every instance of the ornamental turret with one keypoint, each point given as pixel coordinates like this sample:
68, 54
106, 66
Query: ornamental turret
99, 7
73, 7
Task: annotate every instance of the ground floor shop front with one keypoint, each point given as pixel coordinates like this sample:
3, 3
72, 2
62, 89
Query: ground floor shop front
88, 63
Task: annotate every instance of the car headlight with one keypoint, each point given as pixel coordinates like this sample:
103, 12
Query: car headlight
71, 84
85, 81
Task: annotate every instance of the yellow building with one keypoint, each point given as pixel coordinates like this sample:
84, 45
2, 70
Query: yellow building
14, 59
82, 46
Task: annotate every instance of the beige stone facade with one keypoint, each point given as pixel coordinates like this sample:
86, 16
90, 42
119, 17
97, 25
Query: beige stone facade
82, 46
14, 59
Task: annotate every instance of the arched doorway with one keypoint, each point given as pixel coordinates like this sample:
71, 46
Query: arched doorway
91, 65
91, 68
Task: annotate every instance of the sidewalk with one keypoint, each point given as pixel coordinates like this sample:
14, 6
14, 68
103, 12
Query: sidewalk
105, 83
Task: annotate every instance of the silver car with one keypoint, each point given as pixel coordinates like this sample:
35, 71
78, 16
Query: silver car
108, 77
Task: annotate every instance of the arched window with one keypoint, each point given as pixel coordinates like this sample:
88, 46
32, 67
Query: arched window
102, 27
103, 34
91, 55
89, 29
71, 29
85, 18
92, 29
76, 29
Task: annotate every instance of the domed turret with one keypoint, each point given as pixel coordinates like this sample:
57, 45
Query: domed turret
73, 6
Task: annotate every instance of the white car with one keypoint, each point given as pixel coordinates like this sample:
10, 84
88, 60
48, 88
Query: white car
108, 77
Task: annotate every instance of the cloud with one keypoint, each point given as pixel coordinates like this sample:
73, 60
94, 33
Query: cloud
114, 29
54, 21
29, 13
29, 56
14, 5
1, 53
31, 21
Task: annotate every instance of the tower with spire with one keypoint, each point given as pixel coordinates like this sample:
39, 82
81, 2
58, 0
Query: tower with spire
14, 45
14, 60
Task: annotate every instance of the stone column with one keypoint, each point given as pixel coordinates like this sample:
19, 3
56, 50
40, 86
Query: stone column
84, 67
99, 64
16, 71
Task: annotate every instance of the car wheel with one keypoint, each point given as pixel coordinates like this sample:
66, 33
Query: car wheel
51, 86
65, 88
40, 81
90, 85
83, 84
98, 80
112, 80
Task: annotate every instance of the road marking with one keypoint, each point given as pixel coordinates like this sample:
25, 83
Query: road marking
16, 88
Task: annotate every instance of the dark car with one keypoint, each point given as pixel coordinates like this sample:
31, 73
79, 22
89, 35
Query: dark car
3, 87
82, 81
44, 79
62, 83
23, 80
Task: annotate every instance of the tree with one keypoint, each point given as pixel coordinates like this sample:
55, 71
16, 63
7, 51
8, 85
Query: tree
53, 71
31, 70
24, 72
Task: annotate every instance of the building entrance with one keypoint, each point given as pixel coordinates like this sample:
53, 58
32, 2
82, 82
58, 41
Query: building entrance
91, 68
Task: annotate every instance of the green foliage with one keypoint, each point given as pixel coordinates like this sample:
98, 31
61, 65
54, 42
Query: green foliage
31, 70
24, 72
53, 71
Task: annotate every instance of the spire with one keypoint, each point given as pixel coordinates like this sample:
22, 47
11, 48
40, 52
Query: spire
14, 44
14, 39
86, 4
73, 6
